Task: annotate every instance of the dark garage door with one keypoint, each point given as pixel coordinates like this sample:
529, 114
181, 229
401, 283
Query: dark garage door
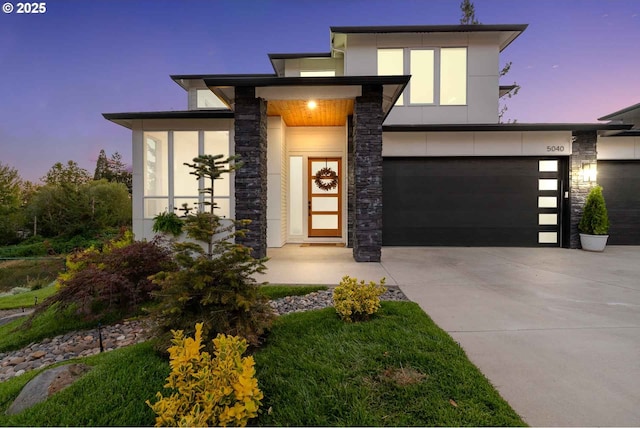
461, 201
620, 181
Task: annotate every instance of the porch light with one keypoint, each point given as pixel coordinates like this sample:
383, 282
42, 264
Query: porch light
312, 104
588, 172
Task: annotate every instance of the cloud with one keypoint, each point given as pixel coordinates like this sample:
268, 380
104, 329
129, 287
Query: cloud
555, 66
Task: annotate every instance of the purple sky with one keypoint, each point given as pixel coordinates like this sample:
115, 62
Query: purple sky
60, 70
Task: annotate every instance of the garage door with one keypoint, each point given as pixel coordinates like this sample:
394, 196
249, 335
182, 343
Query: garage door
620, 181
471, 202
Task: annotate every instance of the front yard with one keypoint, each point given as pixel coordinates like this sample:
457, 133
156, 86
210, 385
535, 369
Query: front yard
398, 368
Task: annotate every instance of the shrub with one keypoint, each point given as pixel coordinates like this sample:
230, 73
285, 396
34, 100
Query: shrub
207, 391
356, 301
111, 283
216, 282
595, 219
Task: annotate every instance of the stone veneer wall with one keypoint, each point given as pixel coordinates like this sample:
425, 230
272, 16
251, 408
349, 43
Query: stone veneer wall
251, 179
367, 166
584, 149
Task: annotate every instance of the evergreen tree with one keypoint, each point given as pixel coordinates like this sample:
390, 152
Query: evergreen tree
216, 282
468, 13
102, 167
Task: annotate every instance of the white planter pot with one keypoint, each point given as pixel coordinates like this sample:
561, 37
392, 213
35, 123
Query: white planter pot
593, 242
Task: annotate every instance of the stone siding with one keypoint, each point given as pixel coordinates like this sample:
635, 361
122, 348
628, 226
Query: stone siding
367, 165
584, 150
251, 179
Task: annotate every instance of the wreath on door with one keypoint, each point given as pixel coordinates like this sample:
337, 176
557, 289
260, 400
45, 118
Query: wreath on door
326, 179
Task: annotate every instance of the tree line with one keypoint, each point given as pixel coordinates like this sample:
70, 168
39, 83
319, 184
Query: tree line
68, 202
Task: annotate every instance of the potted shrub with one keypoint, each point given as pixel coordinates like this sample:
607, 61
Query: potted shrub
594, 224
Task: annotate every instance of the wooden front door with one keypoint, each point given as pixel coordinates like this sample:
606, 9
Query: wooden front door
325, 197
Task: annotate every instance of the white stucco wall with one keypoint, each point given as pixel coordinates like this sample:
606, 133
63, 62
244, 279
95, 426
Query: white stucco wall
293, 67
482, 74
535, 143
618, 148
276, 183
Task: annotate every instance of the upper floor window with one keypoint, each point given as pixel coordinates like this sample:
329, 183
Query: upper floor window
391, 63
438, 75
318, 73
206, 99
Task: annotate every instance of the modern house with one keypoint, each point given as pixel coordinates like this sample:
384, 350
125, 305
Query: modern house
392, 137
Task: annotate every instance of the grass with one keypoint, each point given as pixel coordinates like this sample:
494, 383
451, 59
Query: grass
274, 292
26, 300
48, 324
29, 273
398, 368
113, 393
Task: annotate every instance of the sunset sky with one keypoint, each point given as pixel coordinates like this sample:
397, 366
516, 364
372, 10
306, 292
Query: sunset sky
62, 69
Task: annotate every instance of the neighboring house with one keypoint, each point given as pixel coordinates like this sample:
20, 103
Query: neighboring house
405, 117
619, 175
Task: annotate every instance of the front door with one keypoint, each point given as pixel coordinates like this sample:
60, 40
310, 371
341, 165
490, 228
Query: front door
325, 197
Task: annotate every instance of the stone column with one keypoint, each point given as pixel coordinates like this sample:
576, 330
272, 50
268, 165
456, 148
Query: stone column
367, 165
584, 151
250, 121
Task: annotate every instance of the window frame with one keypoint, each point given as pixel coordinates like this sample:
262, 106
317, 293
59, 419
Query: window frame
171, 197
405, 97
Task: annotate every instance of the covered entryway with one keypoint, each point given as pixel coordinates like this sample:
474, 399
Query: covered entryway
513, 201
620, 181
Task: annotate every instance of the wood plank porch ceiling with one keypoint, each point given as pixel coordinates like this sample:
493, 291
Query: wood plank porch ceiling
297, 113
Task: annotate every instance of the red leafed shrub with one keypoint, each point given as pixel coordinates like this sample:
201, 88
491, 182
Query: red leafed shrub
113, 284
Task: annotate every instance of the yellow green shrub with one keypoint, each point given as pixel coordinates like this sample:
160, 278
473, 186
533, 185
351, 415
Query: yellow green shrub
355, 301
79, 261
218, 391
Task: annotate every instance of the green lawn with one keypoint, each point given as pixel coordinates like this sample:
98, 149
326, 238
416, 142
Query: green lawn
112, 394
398, 369
27, 299
274, 292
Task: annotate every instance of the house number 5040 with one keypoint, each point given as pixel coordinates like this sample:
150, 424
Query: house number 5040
555, 148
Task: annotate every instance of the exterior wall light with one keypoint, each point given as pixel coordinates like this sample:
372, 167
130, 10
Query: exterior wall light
589, 172
312, 105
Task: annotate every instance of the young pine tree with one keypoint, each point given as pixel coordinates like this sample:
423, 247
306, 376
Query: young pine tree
215, 284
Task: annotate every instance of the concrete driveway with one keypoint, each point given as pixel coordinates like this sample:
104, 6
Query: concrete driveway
556, 331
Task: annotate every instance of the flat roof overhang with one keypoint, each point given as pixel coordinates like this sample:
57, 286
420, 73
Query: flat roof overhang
291, 93
634, 109
126, 119
505, 127
507, 32
278, 59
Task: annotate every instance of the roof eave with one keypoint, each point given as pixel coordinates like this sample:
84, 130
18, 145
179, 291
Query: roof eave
500, 127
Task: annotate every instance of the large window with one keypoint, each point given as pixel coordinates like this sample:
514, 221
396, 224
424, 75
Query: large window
453, 76
391, 63
438, 75
168, 183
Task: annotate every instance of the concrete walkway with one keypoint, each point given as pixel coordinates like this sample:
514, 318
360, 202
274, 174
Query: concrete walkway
556, 331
